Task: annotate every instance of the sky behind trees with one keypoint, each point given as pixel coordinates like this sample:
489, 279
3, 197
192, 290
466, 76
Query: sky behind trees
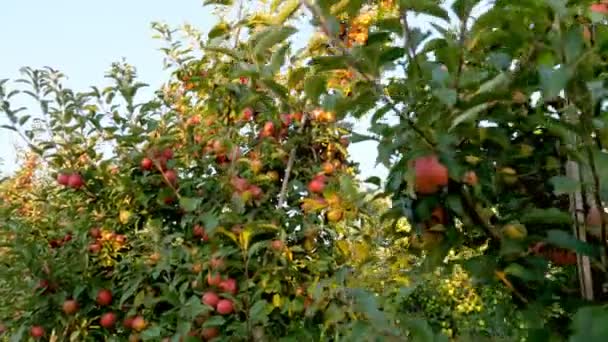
83, 38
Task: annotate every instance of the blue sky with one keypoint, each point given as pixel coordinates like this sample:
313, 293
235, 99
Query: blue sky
82, 39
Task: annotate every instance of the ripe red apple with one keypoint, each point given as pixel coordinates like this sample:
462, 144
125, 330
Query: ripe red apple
147, 164
247, 114
214, 280
430, 174
138, 323
211, 298
67, 237
128, 322
168, 153
229, 285
104, 297
243, 80
70, 306
277, 245
256, 191
75, 181
316, 186
216, 263
601, 8
286, 119
63, 179
267, 130
107, 320
95, 232
171, 176
210, 333
225, 307
470, 178
37, 331
94, 248
239, 184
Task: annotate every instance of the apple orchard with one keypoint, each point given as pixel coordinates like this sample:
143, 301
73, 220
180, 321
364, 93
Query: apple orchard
226, 207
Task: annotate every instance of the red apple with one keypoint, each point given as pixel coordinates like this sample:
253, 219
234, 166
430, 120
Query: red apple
225, 307
277, 245
70, 306
168, 153
216, 263
601, 8
256, 191
239, 184
107, 320
138, 323
214, 280
286, 119
268, 129
430, 174
95, 233
128, 322
75, 181
316, 186
104, 297
147, 164
211, 298
63, 179
210, 333
247, 114
171, 176
229, 285
94, 248
37, 331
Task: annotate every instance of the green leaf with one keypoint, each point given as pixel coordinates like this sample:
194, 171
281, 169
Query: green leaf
429, 7
189, 204
521, 272
152, 333
551, 216
332, 315
500, 82
219, 30
271, 37
552, 80
217, 2
259, 311
463, 8
278, 58
470, 114
420, 330
374, 180
589, 325
314, 86
563, 185
210, 221
447, 96
356, 137
326, 63
566, 240
287, 10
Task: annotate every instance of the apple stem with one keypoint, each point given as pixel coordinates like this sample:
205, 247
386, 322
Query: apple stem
290, 161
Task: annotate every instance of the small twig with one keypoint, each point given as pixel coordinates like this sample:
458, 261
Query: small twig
290, 161
239, 17
160, 169
501, 275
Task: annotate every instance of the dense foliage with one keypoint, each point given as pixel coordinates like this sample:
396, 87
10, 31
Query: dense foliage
227, 208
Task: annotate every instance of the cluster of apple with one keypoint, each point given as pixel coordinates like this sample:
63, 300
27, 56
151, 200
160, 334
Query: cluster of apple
107, 320
102, 237
269, 130
160, 158
322, 116
246, 190
71, 180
